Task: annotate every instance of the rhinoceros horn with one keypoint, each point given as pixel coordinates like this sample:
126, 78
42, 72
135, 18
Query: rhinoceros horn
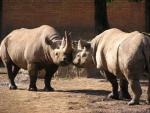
68, 47
82, 44
62, 43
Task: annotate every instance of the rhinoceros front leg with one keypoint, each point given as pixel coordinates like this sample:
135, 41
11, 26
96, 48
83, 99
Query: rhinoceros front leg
137, 91
49, 74
113, 80
124, 94
12, 72
33, 71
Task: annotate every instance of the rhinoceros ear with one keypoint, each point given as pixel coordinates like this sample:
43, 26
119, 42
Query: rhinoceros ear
48, 41
88, 45
82, 44
52, 43
74, 44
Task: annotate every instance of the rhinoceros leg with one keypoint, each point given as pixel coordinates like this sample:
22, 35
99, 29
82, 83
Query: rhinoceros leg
15, 70
137, 91
33, 71
49, 74
113, 80
12, 72
124, 94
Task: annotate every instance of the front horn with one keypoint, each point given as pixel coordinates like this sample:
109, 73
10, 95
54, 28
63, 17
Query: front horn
68, 46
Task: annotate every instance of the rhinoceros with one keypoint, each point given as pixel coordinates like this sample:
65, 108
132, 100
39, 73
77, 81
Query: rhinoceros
121, 54
33, 50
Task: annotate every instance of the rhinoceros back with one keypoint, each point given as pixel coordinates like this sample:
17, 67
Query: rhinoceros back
107, 49
26, 45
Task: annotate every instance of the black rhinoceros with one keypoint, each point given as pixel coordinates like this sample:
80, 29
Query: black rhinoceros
35, 49
121, 54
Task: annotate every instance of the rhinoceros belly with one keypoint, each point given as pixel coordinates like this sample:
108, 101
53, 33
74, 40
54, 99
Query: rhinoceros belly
17, 56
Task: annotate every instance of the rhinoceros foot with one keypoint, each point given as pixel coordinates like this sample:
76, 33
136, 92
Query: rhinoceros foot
32, 89
49, 89
12, 87
133, 102
113, 96
124, 95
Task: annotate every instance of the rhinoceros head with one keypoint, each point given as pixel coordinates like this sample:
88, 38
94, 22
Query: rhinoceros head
82, 57
63, 54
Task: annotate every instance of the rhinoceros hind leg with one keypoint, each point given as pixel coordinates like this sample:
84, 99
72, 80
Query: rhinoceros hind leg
137, 91
32, 88
124, 94
12, 87
113, 80
49, 74
33, 71
12, 72
113, 96
48, 89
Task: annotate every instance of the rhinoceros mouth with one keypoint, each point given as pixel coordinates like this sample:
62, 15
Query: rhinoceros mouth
64, 63
78, 65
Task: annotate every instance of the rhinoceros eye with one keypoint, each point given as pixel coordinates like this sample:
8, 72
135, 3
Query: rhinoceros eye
56, 54
78, 55
84, 55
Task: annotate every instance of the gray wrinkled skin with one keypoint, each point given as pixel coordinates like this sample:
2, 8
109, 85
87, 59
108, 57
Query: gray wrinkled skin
35, 49
125, 55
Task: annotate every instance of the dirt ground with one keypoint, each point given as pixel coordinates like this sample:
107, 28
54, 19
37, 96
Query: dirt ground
79, 95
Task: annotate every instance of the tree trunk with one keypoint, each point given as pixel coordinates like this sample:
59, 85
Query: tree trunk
101, 22
147, 15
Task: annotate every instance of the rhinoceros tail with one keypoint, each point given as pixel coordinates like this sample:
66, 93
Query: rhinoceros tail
146, 53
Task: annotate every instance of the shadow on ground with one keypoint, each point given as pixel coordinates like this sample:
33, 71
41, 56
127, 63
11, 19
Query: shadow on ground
87, 92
